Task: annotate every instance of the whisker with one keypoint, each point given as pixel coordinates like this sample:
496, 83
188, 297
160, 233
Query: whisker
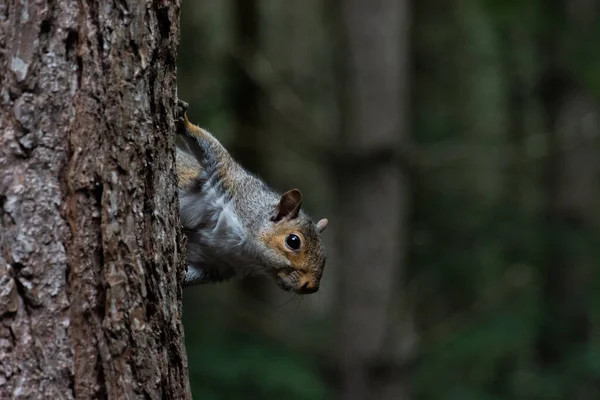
286, 302
297, 305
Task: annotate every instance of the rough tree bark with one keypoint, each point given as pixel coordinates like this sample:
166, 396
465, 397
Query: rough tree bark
374, 191
90, 256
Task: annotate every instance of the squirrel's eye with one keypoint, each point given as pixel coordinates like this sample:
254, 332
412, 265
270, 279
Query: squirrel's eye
293, 241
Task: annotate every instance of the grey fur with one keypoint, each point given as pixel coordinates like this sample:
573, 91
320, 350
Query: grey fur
224, 214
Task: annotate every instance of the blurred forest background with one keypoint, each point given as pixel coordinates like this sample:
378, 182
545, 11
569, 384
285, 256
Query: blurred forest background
453, 145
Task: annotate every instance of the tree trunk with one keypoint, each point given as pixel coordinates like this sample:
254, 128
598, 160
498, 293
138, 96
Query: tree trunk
572, 125
515, 104
90, 253
571, 260
373, 192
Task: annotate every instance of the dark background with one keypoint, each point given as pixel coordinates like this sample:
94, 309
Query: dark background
453, 145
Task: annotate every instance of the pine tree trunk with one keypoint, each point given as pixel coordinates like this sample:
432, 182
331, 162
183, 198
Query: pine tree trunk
90, 254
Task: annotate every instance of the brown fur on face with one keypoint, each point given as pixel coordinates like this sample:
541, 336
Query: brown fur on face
307, 262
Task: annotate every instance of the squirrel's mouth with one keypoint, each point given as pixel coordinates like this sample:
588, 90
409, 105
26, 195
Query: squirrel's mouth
301, 283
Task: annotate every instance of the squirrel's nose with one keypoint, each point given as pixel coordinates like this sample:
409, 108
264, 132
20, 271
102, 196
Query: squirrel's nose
308, 287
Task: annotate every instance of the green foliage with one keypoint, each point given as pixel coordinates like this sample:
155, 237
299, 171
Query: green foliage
229, 366
473, 358
583, 58
481, 266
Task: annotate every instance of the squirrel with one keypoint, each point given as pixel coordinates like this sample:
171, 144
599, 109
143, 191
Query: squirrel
236, 225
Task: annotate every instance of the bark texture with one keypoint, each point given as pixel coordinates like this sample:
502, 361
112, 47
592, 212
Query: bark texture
374, 193
90, 256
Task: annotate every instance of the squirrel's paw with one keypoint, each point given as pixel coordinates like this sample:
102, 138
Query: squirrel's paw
180, 110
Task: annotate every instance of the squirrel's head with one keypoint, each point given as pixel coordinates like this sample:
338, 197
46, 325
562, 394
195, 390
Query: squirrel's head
295, 241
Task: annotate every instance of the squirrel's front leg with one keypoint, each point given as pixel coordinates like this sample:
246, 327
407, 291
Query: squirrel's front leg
184, 126
189, 168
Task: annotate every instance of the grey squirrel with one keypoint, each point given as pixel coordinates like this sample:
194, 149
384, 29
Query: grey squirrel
236, 225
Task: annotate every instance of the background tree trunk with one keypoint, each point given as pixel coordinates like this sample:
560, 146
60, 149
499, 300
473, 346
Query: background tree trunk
247, 145
572, 124
90, 254
374, 192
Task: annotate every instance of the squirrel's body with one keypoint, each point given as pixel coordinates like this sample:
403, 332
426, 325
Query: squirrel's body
236, 225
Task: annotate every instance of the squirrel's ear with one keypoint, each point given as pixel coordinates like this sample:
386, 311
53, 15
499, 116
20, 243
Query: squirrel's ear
321, 225
289, 205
